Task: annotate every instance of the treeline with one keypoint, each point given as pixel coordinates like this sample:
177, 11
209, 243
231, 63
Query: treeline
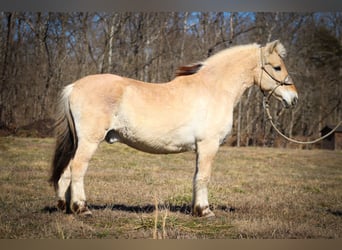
42, 52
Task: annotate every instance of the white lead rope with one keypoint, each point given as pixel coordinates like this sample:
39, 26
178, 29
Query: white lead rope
270, 119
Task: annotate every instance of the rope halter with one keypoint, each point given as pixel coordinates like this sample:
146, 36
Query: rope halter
287, 80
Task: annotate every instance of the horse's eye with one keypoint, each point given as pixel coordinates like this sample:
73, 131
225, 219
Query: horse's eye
277, 68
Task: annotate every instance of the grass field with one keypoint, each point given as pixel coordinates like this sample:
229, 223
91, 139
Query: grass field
254, 192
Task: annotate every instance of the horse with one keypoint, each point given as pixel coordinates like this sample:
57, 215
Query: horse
192, 112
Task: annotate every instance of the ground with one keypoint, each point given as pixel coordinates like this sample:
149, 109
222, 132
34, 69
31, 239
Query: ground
254, 192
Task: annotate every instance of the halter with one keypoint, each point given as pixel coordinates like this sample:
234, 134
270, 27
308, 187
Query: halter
278, 82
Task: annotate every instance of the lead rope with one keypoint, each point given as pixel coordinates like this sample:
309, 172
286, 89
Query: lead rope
270, 119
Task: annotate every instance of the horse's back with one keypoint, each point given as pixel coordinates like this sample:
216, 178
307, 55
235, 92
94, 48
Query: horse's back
99, 82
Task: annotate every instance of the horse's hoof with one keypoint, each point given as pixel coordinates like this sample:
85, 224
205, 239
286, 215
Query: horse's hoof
86, 213
209, 214
81, 210
61, 205
204, 212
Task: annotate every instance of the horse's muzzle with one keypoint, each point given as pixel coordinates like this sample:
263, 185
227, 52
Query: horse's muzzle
290, 103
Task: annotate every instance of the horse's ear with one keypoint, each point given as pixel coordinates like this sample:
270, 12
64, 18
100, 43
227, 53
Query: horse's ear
271, 46
277, 47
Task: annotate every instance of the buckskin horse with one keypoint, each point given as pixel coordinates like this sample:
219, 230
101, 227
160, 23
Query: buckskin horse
192, 112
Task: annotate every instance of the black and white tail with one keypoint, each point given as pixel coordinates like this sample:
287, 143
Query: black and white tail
66, 138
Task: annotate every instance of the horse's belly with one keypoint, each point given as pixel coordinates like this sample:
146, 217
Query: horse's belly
155, 131
151, 142
160, 148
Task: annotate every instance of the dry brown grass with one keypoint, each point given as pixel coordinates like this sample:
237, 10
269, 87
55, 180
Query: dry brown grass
255, 193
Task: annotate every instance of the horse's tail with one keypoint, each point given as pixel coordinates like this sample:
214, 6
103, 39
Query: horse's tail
66, 137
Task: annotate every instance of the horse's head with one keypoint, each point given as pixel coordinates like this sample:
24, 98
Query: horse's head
274, 78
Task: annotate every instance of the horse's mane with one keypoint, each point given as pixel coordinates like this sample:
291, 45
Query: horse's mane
188, 69
194, 68
229, 53
223, 55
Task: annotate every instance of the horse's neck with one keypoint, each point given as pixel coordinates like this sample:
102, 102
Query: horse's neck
234, 77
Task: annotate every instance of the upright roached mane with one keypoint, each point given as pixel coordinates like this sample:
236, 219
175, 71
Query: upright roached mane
194, 112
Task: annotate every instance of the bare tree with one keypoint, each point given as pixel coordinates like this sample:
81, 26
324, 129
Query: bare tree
42, 52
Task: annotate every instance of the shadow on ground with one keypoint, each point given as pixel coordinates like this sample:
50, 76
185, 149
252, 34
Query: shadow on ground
149, 208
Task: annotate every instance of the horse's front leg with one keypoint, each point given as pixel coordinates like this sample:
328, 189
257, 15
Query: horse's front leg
206, 150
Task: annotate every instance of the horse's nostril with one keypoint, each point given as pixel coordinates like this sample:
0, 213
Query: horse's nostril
286, 104
294, 101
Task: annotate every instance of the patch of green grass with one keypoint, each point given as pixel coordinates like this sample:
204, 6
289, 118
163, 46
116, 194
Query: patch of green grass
312, 189
180, 199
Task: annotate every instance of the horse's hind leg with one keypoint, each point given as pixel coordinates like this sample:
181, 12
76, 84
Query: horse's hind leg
63, 190
79, 166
